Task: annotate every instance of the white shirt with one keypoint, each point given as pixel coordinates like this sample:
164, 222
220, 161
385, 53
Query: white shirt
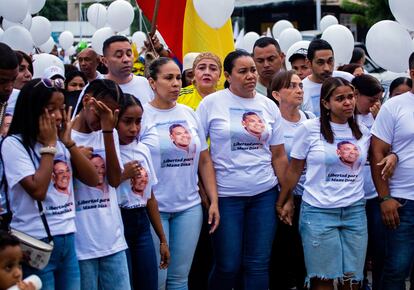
138, 87
136, 191
369, 187
11, 103
394, 126
334, 173
98, 218
175, 155
59, 203
289, 129
241, 131
312, 92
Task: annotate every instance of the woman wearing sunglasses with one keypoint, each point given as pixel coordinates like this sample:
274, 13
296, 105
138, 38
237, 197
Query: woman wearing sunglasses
40, 160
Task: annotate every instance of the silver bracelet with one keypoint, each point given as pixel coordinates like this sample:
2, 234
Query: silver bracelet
48, 150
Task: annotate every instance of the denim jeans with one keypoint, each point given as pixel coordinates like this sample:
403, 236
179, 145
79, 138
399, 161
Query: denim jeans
141, 253
334, 241
105, 273
399, 254
376, 240
182, 230
62, 271
243, 242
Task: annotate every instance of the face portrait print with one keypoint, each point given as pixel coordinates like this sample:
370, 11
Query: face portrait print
180, 136
61, 176
348, 153
253, 124
140, 182
99, 164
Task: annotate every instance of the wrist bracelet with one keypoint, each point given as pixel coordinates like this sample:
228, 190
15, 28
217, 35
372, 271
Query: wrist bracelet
71, 145
107, 131
396, 155
163, 244
48, 150
385, 198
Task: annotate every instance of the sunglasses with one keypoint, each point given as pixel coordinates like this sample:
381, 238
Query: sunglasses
50, 84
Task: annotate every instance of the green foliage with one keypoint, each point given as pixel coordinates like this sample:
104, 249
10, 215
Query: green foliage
368, 12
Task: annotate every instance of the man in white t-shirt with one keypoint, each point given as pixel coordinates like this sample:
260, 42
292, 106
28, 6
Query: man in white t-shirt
269, 59
88, 63
321, 60
118, 58
393, 130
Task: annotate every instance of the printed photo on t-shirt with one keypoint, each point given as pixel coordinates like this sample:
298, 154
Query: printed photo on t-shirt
59, 197
177, 146
343, 161
94, 197
247, 129
136, 191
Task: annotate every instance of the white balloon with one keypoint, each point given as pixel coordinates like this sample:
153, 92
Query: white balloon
44, 60
99, 37
70, 51
342, 41
288, 37
279, 26
248, 41
36, 5
1, 34
66, 39
327, 21
120, 15
47, 46
14, 10
403, 12
26, 23
214, 12
239, 41
294, 48
18, 38
138, 38
389, 44
40, 30
97, 15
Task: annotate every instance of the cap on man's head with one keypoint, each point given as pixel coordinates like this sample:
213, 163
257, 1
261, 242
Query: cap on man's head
188, 60
53, 71
300, 53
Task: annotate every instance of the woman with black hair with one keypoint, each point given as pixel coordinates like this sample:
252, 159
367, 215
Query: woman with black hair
75, 81
38, 136
25, 70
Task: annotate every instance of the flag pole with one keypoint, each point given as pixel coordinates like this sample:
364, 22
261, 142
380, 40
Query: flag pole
154, 17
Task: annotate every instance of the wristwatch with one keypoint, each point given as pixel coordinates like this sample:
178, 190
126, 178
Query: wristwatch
385, 198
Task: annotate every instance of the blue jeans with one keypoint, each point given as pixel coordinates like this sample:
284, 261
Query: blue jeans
62, 272
242, 243
399, 254
334, 241
105, 273
141, 253
182, 230
376, 240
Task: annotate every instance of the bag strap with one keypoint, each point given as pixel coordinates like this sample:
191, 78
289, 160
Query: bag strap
306, 115
39, 203
3, 185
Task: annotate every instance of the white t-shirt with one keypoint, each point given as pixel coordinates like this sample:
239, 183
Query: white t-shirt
241, 131
135, 192
11, 103
369, 187
98, 218
59, 203
334, 171
138, 87
261, 89
394, 126
312, 92
289, 129
175, 138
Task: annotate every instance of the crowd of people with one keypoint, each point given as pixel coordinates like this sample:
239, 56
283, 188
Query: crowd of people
283, 179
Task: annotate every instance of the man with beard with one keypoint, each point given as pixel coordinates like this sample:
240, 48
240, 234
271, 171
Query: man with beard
269, 60
321, 60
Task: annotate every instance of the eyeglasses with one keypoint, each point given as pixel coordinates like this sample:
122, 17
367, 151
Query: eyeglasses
50, 84
293, 85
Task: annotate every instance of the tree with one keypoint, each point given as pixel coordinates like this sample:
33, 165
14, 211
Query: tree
55, 10
368, 12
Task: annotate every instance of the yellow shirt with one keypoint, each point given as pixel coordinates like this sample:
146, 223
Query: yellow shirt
190, 97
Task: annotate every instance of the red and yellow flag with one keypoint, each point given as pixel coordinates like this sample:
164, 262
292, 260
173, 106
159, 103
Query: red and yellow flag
184, 31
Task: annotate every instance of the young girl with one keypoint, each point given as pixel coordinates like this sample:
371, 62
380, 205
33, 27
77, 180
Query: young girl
38, 139
100, 243
137, 201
